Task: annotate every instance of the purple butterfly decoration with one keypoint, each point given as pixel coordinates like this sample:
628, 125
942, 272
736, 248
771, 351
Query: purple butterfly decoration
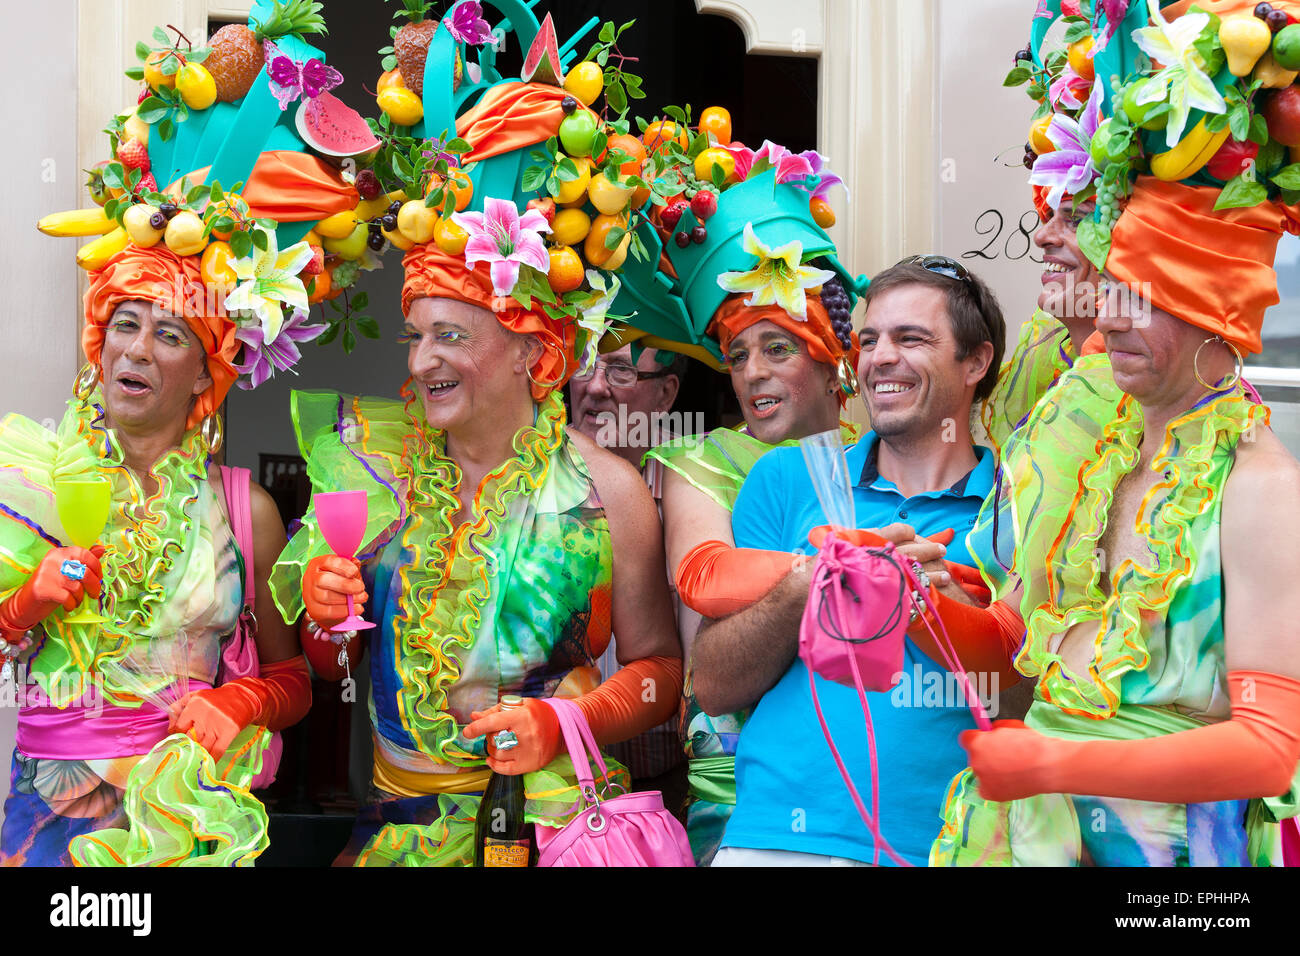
291, 79
467, 25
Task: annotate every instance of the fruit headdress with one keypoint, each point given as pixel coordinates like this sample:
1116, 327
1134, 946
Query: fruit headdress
1184, 135
217, 177
517, 195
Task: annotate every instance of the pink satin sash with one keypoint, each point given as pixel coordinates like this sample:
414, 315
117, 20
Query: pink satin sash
82, 732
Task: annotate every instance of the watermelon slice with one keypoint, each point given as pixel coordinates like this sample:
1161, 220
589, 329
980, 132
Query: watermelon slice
332, 128
542, 64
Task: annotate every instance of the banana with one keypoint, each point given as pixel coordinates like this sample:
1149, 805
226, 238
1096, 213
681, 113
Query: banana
1193, 151
95, 255
77, 222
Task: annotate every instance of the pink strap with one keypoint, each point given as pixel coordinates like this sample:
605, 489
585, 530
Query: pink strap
236, 484
580, 742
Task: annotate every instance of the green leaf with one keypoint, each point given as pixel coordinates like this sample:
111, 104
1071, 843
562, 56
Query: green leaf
614, 237
698, 145
1258, 130
1286, 178
1017, 77
153, 109
133, 176
567, 170
359, 301
1094, 242
615, 97
622, 28
637, 248
1077, 31
223, 224
198, 56
142, 51
1291, 196
606, 32
170, 66
135, 73
1217, 122
1241, 193
642, 124
675, 112
1271, 157
602, 57
330, 334
534, 178
591, 54
457, 145
552, 185
349, 341
241, 245
166, 128
367, 326
259, 240
388, 63
718, 175
598, 143
160, 36
449, 204
1239, 121
216, 195
113, 176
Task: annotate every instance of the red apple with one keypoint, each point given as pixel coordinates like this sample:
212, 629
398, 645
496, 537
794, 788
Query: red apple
545, 206
1282, 113
1231, 159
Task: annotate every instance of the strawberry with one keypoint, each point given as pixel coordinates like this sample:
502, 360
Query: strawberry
704, 204
145, 93
147, 184
317, 264
672, 213
133, 154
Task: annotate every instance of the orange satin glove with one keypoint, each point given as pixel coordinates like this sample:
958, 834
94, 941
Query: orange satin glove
535, 724
277, 699
717, 579
48, 588
971, 581
326, 584
1253, 754
986, 639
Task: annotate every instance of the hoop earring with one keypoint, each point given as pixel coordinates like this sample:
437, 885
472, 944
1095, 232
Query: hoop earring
547, 386
1240, 365
848, 377
213, 432
86, 382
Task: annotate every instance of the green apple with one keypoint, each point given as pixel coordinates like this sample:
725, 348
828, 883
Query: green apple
577, 131
352, 246
1137, 112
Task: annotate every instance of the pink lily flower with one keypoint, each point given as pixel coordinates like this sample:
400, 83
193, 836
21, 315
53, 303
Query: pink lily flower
262, 358
506, 240
828, 179
1065, 91
788, 165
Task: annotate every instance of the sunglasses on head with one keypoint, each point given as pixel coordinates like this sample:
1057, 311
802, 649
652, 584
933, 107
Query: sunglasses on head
940, 265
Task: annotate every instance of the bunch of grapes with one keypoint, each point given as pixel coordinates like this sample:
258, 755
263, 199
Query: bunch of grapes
1108, 197
838, 307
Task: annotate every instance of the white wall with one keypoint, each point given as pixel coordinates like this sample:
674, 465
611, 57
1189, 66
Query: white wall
38, 311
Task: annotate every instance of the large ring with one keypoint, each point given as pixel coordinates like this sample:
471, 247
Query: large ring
1236, 354
505, 740
73, 569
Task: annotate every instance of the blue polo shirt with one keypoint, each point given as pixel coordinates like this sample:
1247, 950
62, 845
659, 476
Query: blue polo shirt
789, 794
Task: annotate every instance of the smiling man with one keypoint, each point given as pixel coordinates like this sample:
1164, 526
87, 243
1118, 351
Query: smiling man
931, 333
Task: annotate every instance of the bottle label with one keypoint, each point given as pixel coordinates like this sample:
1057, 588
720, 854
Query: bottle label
505, 852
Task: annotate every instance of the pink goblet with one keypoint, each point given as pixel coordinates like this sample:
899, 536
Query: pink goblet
342, 519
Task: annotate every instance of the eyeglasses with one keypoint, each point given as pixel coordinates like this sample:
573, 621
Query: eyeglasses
940, 265
619, 375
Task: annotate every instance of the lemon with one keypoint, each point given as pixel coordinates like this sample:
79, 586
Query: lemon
584, 82
397, 239
713, 156
571, 227
196, 86
337, 226
402, 106
608, 197
415, 221
575, 190
352, 246
184, 235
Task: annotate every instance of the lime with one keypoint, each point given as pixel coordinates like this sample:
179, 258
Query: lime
1137, 112
1286, 47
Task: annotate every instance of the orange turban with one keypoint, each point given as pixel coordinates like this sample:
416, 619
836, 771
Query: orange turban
174, 283
511, 116
734, 316
1040, 203
1211, 269
432, 273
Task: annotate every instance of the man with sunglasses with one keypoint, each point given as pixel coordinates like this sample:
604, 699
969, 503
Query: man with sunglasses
620, 403
929, 341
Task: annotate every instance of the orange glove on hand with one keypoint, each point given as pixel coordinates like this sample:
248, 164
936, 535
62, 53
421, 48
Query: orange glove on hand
536, 726
971, 581
48, 588
1253, 754
986, 639
326, 584
641, 695
279, 698
717, 579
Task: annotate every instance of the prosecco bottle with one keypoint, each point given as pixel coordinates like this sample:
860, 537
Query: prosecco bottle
501, 836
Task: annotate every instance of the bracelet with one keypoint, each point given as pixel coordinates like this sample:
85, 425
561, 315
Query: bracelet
340, 638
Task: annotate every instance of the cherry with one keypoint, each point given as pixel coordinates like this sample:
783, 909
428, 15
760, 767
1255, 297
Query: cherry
1262, 10
395, 206
698, 235
376, 241
389, 221
158, 221
168, 209
568, 104
1276, 20
682, 239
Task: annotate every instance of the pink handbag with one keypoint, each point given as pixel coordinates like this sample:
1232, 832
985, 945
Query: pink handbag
239, 654
853, 632
629, 830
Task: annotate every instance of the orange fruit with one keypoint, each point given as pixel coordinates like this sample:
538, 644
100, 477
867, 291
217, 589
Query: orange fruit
633, 147
822, 212
153, 74
391, 78
659, 133
223, 209
324, 282
716, 121
565, 272
1079, 60
460, 187
1038, 135
217, 266
449, 237
593, 248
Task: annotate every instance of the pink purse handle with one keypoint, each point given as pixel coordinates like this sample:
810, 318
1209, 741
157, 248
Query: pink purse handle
235, 482
580, 742
950, 659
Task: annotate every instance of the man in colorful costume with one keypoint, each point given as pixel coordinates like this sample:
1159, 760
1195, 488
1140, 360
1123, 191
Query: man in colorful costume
1166, 725
104, 772
512, 591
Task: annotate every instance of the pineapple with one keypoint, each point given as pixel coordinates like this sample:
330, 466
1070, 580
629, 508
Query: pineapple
237, 55
411, 43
